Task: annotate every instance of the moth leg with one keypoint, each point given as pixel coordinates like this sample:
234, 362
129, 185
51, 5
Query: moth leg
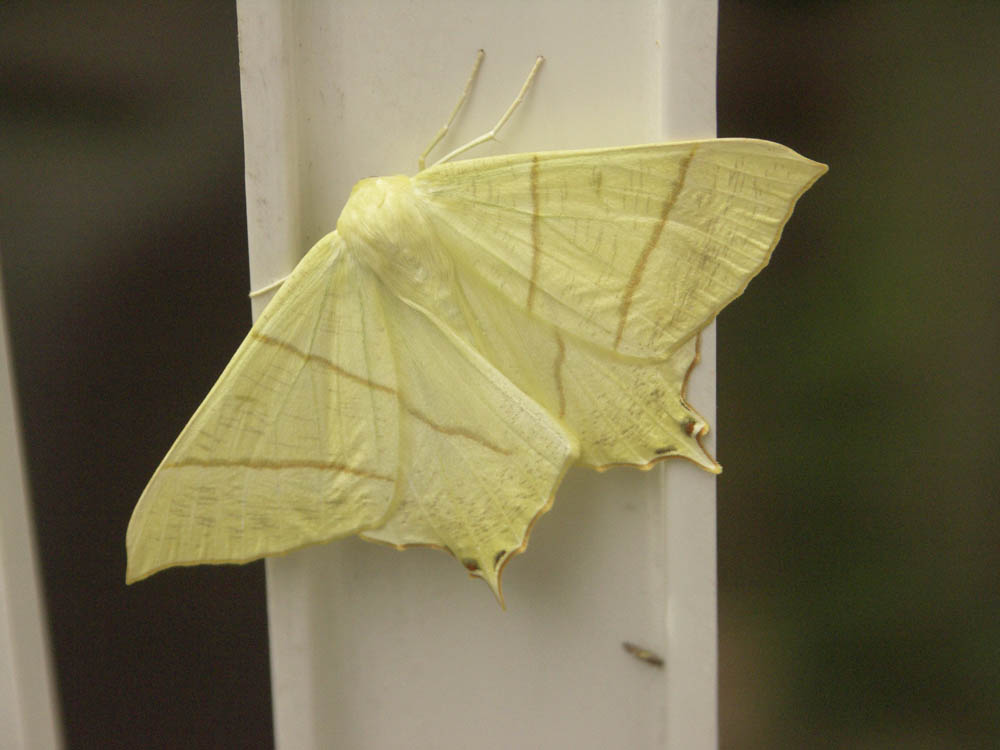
422, 161
269, 288
492, 134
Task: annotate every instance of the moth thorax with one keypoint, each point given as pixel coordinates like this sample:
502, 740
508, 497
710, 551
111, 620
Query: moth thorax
383, 225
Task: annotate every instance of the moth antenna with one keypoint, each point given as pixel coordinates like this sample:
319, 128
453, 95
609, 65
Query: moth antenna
422, 161
492, 134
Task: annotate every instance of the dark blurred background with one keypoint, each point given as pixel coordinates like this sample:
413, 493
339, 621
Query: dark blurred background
859, 512
859, 524
124, 265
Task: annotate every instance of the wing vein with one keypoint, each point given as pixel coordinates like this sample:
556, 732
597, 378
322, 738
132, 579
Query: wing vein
654, 239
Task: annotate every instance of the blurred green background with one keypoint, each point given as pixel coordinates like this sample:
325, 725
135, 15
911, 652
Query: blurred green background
859, 532
859, 510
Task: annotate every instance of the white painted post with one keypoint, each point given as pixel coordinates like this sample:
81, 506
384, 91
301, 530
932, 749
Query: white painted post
373, 648
28, 715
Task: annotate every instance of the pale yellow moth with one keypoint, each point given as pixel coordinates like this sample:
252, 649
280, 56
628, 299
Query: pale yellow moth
432, 367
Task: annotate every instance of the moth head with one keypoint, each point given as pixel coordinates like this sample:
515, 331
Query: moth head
383, 225
380, 213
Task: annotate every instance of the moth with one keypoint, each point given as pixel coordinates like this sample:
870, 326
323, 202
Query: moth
433, 366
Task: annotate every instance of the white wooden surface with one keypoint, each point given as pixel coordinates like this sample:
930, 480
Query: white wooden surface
28, 717
373, 648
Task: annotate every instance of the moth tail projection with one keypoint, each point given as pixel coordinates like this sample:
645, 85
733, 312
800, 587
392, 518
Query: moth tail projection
483, 566
679, 429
